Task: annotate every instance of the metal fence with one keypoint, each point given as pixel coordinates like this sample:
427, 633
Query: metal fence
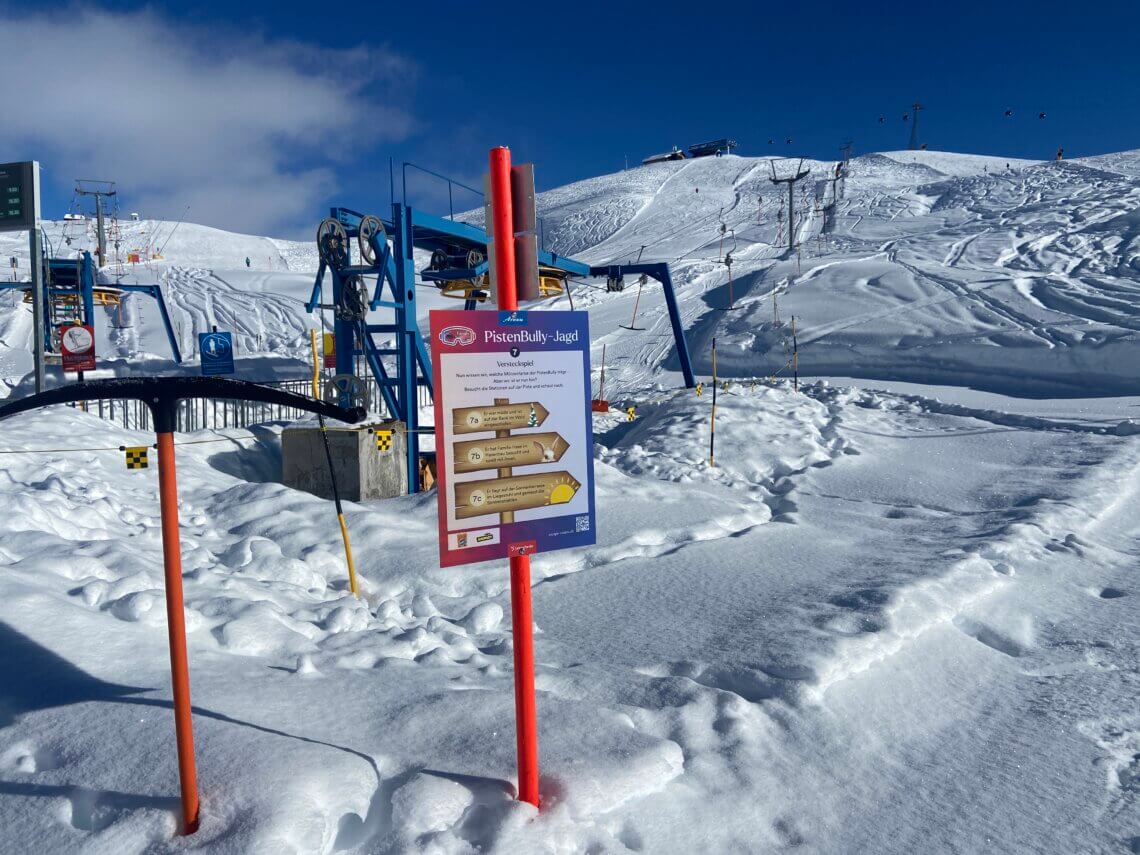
213, 413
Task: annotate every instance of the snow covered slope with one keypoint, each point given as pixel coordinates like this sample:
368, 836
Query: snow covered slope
892, 618
995, 273
932, 267
939, 604
205, 281
184, 244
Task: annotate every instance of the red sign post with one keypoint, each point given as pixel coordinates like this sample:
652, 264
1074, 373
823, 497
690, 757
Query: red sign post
77, 347
526, 719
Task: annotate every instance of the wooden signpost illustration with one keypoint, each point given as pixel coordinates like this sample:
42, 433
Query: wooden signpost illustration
527, 450
508, 493
500, 416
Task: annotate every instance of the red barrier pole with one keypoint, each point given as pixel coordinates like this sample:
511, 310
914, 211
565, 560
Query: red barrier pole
526, 720
176, 623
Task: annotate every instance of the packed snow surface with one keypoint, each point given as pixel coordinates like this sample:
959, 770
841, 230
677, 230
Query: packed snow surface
900, 613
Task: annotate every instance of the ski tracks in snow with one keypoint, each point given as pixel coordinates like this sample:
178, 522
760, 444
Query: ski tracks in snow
260, 320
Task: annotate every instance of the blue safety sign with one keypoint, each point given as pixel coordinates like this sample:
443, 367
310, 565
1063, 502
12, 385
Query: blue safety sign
217, 352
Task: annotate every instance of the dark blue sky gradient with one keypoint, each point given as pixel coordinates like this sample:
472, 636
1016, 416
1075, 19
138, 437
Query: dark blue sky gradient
577, 87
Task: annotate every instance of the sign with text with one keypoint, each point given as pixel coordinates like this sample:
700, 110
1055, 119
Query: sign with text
217, 352
501, 417
514, 443
523, 450
19, 196
77, 347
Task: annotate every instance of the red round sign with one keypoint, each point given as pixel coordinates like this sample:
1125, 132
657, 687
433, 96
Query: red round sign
77, 347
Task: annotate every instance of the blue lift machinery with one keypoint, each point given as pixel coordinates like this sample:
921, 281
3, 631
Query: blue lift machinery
71, 294
458, 269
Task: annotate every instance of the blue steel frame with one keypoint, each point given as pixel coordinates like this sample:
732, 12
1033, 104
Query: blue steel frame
395, 289
660, 272
155, 292
85, 288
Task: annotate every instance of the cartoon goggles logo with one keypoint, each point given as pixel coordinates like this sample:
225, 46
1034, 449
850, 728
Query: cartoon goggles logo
457, 336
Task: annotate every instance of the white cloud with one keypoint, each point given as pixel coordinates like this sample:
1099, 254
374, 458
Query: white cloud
246, 131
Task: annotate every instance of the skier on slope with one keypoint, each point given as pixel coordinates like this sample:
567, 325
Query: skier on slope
247, 261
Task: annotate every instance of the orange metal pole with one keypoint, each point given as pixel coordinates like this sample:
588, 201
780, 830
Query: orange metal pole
526, 718
526, 712
176, 623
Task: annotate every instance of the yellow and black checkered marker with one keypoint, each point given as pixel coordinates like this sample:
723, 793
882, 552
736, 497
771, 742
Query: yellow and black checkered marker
383, 441
631, 413
700, 389
136, 456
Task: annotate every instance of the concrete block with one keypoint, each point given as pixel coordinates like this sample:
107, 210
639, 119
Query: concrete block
368, 464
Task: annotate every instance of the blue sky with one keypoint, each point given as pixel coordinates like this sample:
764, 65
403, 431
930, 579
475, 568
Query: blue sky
258, 115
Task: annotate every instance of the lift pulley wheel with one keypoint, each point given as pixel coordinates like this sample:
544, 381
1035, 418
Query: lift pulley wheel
456, 259
344, 385
332, 243
370, 227
353, 305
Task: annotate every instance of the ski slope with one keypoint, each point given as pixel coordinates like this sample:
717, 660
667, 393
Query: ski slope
900, 613
205, 282
1002, 275
934, 268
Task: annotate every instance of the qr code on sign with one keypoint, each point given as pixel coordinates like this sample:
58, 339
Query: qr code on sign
582, 523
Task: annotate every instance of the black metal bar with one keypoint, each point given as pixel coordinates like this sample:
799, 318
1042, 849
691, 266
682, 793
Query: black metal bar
162, 394
449, 181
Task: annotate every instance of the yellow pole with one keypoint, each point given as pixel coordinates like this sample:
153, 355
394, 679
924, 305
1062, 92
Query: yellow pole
712, 418
316, 366
795, 357
332, 475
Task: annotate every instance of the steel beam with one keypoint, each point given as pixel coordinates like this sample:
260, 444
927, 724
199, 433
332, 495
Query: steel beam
660, 272
406, 359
